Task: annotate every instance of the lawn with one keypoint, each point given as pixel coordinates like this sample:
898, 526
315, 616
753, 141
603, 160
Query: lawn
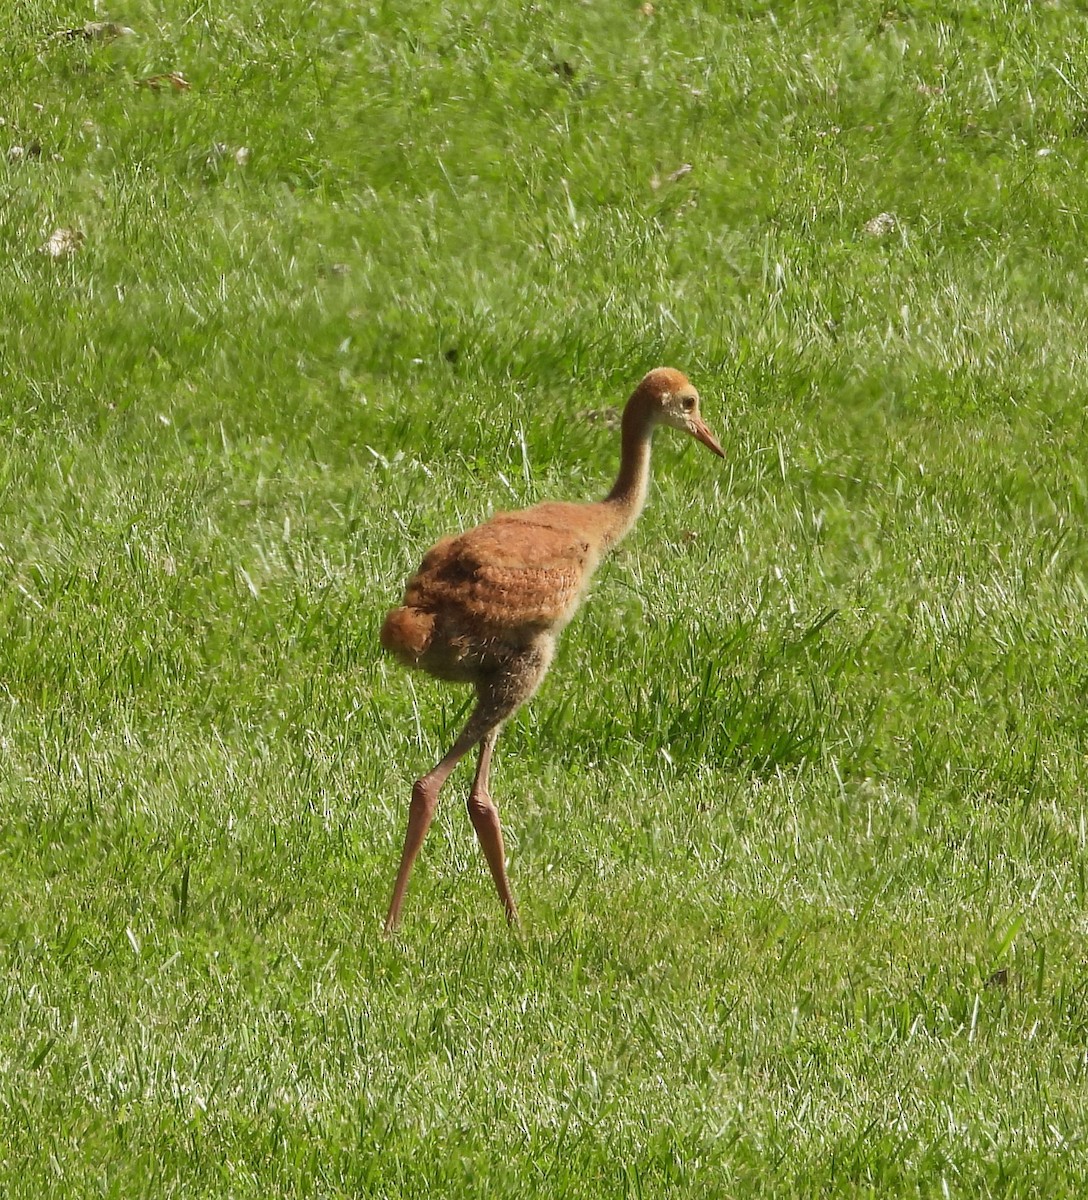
798, 821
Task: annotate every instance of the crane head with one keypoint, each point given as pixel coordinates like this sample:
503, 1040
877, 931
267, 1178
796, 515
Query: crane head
674, 401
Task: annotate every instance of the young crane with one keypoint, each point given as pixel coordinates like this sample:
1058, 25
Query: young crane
486, 607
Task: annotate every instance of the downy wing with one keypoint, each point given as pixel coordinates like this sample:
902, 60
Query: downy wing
516, 570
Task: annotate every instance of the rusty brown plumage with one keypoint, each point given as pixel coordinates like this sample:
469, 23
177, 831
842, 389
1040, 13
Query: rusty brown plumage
486, 607
503, 583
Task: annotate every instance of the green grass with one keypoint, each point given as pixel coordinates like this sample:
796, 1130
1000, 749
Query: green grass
797, 823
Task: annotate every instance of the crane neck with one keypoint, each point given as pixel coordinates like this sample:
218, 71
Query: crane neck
628, 494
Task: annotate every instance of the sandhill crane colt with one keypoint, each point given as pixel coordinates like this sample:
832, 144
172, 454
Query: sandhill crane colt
486, 608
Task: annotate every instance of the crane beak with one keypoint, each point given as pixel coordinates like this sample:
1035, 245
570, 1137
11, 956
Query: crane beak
700, 431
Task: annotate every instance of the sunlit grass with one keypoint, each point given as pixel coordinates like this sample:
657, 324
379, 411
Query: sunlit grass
797, 822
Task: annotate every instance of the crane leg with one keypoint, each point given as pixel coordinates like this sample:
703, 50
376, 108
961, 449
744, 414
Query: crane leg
485, 820
497, 697
421, 812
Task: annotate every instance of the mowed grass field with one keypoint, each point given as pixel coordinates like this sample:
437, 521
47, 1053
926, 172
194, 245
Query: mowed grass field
797, 823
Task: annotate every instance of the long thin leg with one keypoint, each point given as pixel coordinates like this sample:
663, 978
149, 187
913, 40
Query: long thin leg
497, 697
485, 820
421, 811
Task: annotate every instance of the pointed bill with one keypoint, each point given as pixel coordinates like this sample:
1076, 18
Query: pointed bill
699, 430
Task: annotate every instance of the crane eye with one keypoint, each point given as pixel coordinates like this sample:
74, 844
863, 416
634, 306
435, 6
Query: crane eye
688, 403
